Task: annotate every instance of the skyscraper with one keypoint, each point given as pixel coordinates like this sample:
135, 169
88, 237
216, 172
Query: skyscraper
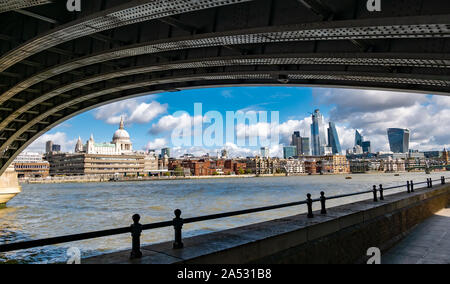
165, 151
399, 140
333, 139
306, 149
301, 143
366, 147
297, 142
289, 152
318, 134
48, 146
265, 152
358, 139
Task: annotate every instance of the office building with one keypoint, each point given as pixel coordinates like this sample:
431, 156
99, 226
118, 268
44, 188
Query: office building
64, 164
358, 139
289, 152
306, 148
333, 139
398, 140
297, 143
165, 152
265, 152
302, 144
50, 147
366, 147
31, 165
318, 134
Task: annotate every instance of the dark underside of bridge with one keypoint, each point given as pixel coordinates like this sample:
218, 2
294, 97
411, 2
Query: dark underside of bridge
55, 64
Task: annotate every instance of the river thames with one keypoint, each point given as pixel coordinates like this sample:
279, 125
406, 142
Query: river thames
50, 210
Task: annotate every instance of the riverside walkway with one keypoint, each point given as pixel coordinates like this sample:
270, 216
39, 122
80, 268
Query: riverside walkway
428, 243
341, 234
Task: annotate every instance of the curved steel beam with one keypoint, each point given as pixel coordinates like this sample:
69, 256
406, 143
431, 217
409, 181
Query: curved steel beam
363, 59
269, 76
131, 13
413, 60
406, 27
10, 5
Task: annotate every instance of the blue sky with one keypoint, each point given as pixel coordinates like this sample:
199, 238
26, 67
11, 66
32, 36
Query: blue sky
148, 117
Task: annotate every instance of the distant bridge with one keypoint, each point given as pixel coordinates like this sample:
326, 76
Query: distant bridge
431, 168
55, 64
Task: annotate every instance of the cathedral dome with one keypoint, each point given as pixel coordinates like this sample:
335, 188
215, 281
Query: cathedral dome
121, 133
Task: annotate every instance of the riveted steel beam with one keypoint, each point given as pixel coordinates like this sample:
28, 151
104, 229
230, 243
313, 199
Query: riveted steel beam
9, 5
384, 60
130, 13
265, 78
402, 28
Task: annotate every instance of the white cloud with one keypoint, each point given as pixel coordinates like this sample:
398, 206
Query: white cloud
132, 110
156, 144
169, 122
59, 138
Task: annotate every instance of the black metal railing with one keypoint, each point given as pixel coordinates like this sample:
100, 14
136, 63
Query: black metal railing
136, 228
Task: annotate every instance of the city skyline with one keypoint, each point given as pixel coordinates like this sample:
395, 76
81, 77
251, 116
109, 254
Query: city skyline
150, 117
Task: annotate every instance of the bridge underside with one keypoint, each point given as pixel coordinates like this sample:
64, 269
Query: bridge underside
55, 64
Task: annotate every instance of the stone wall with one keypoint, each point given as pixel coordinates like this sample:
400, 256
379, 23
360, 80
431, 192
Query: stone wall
9, 186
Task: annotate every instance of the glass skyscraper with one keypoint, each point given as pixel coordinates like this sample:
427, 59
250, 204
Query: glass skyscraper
165, 151
306, 149
366, 147
399, 140
358, 139
297, 142
333, 139
318, 134
289, 152
301, 143
265, 152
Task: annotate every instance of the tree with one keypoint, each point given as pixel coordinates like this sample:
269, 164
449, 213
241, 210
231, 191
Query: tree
179, 171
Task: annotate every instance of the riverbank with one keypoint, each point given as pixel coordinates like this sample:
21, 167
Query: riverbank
82, 179
98, 179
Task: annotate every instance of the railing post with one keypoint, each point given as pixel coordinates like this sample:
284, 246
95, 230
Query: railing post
309, 202
136, 231
442, 180
408, 185
375, 197
322, 202
412, 186
178, 226
381, 192
431, 183
428, 183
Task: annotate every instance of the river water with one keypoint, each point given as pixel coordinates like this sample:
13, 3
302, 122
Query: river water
43, 211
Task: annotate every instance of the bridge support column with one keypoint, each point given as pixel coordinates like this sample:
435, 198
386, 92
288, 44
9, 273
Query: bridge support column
9, 186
